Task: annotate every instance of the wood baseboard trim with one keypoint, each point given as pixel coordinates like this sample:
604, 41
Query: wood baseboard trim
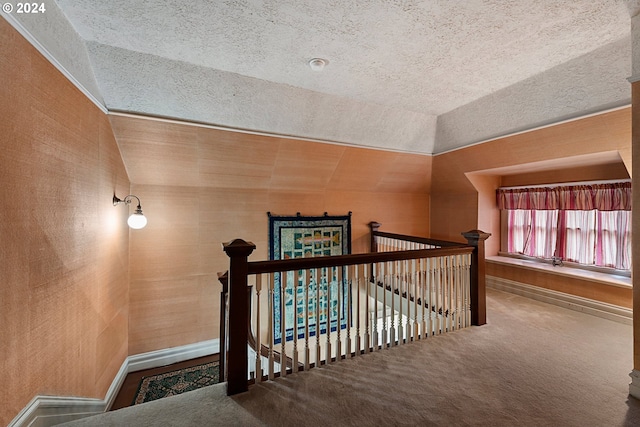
572, 302
45, 411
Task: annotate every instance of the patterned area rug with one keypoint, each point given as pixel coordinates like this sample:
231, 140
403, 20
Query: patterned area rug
176, 382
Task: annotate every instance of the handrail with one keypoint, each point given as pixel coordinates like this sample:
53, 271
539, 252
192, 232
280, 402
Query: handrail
414, 239
257, 267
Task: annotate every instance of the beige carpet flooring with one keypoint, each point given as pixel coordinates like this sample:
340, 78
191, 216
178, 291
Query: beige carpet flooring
533, 364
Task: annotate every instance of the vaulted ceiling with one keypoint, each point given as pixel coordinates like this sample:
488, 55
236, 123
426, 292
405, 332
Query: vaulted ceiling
413, 76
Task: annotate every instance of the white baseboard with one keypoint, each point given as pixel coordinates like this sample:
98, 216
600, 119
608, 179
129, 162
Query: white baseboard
572, 302
167, 356
45, 411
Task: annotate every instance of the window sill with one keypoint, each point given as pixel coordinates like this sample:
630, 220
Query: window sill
593, 276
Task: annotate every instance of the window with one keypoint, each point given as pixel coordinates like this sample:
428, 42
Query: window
585, 224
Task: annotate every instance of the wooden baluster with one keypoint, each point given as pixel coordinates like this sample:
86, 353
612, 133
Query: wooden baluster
408, 289
463, 311
460, 309
467, 290
416, 294
406, 281
307, 284
258, 330
349, 298
400, 282
422, 265
359, 269
448, 283
394, 286
388, 281
371, 327
223, 278
329, 275
454, 293
419, 317
340, 295
447, 293
438, 289
271, 326
443, 293
378, 299
318, 280
296, 284
383, 318
428, 302
368, 330
283, 321
454, 272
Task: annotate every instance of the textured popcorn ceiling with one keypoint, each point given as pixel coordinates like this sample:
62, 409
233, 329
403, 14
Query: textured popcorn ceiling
396, 68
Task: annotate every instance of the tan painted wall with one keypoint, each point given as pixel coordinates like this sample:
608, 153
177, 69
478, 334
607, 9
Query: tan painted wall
201, 187
464, 181
64, 251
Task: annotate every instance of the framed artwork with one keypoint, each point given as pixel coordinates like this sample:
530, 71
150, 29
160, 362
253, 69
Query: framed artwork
309, 236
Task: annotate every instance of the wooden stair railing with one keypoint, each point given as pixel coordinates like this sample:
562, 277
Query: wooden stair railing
475, 238
239, 330
223, 278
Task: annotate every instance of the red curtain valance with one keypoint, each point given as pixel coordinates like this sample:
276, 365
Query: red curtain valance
604, 197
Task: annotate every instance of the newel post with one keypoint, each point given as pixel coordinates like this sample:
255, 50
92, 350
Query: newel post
374, 226
237, 360
223, 278
476, 239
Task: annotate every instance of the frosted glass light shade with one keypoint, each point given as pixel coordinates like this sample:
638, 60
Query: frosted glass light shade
137, 220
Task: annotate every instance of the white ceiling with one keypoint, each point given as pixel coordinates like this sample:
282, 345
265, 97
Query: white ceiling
419, 76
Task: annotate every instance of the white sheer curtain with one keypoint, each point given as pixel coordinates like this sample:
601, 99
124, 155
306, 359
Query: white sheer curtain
601, 238
580, 241
613, 244
533, 232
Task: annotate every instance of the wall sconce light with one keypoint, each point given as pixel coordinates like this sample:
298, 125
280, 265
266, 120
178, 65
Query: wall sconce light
137, 219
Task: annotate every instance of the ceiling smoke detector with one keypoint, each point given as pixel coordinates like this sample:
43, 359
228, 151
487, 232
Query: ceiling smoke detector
317, 64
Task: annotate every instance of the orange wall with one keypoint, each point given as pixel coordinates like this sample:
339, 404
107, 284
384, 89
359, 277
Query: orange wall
64, 246
201, 187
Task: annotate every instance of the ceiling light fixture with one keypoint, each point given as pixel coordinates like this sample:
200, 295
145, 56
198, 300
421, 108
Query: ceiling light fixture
317, 64
137, 219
